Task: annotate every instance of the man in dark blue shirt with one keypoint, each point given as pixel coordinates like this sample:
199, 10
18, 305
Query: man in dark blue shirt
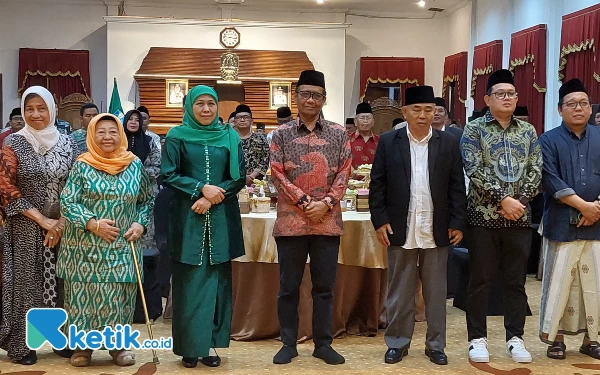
571, 180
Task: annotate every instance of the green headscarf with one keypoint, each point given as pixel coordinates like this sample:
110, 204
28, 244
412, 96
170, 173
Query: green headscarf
214, 134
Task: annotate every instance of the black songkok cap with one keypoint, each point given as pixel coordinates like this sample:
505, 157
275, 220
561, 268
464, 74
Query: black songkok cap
419, 94
500, 76
440, 102
363, 108
260, 126
569, 87
243, 108
312, 78
143, 108
232, 115
397, 121
284, 112
15, 112
350, 120
521, 111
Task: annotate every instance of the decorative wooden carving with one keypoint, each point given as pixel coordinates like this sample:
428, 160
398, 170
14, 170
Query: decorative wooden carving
68, 109
385, 111
385, 102
203, 67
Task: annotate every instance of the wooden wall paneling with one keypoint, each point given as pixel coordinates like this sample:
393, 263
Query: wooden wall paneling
152, 95
254, 64
202, 66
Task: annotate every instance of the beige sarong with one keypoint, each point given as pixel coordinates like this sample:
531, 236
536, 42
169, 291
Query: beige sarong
570, 300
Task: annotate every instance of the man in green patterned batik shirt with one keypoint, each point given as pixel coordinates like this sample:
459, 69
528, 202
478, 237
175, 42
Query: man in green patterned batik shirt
503, 161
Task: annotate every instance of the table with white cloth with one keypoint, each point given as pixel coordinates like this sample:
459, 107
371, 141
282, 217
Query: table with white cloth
359, 291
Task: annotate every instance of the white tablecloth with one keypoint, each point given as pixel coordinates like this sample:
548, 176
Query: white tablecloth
359, 245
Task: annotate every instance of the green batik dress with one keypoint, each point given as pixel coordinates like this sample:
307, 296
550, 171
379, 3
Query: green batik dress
100, 278
202, 246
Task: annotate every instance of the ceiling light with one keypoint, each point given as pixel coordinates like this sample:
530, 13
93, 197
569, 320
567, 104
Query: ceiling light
320, 1
421, 3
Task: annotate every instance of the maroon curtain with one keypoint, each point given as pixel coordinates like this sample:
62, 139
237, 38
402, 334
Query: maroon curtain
528, 64
62, 72
408, 71
580, 54
455, 70
487, 58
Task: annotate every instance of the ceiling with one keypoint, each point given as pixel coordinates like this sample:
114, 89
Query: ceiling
375, 8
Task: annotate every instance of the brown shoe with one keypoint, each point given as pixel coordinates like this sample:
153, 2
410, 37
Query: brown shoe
81, 358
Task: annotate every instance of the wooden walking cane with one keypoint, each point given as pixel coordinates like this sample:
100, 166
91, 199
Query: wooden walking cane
141, 286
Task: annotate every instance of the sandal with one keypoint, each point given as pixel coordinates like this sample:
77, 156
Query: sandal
592, 349
558, 350
123, 358
81, 358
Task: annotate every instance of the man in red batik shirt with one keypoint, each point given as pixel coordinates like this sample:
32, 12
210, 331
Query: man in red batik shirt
310, 166
363, 141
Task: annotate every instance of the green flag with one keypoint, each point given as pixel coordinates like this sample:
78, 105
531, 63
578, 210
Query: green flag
115, 103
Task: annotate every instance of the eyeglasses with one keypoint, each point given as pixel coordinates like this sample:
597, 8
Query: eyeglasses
505, 94
305, 95
17, 119
573, 105
365, 118
243, 118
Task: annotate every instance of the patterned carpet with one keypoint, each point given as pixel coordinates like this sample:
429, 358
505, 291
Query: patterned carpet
364, 355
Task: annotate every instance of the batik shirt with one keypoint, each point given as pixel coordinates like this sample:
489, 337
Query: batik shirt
80, 137
155, 139
63, 127
256, 153
500, 162
363, 151
305, 166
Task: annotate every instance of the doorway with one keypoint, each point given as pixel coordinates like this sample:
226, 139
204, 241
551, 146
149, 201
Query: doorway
230, 96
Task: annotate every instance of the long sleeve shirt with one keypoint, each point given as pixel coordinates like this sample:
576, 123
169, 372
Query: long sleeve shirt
571, 166
256, 154
305, 166
419, 232
500, 163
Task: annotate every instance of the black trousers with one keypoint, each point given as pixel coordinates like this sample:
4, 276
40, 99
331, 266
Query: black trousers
503, 250
293, 253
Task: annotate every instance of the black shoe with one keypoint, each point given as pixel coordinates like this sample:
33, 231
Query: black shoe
330, 356
211, 361
395, 355
285, 355
437, 357
188, 362
64, 353
29, 359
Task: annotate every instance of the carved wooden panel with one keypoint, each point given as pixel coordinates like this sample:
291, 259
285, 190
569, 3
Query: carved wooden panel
69, 107
385, 111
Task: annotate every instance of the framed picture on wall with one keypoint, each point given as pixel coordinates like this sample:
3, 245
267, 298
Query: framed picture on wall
280, 94
176, 89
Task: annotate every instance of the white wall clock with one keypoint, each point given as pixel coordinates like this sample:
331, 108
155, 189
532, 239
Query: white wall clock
230, 37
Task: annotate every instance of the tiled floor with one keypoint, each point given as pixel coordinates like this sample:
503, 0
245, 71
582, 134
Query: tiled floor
363, 355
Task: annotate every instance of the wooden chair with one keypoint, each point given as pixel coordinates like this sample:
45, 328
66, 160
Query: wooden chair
68, 109
385, 111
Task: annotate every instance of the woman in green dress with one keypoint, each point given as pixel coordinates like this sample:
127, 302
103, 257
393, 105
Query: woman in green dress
107, 202
203, 163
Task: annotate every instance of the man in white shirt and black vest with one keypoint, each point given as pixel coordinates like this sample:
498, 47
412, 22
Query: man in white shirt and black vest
418, 207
